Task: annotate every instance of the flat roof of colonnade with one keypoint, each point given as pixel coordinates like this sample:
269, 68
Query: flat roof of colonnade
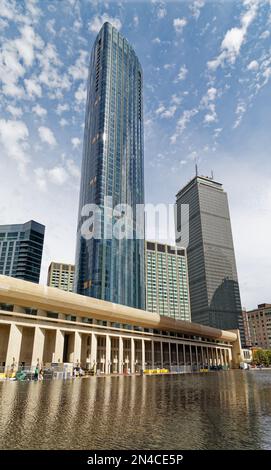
27, 294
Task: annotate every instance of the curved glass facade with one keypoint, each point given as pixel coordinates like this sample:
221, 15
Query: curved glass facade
112, 166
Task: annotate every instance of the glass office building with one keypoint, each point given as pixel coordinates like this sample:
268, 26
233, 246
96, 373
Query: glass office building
113, 167
21, 247
167, 291
213, 281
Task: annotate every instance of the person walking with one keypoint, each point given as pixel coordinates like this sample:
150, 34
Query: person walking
36, 373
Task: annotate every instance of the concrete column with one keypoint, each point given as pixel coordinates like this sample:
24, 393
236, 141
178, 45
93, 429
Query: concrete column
143, 354
38, 346
76, 356
229, 357
14, 347
212, 355
59, 346
197, 358
208, 356
222, 357
191, 359
177, 353
184, 355
162, 358
169, 353
216, 353
152, 354
93, 351
108, 355
202, 357
120, 355
132, 356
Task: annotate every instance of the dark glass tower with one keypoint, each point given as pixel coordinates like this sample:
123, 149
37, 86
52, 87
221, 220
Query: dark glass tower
21, 247
213, 282
112, 166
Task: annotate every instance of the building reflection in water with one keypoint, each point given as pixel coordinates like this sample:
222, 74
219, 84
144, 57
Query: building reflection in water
224, 410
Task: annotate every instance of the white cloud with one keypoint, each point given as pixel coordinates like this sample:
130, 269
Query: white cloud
136, 21
3, 24
39, 110
61, 108
77, 25
33, 88
183, 122
235, 37
97, 22
169, 66
161, 13
47, 135
182, 73
265, 35
58, 175
63, 122
232, 42
217, 132
79, 71
15, 112
51, 74
240, 111
40, 178
75, 142
210, 96
81, 94
10, 69
27, 43
196, 7
8, 9
253, 65
50, 26
176, 99
13, 138
156, 40
207, 103
209, 118
10, 89
73, 169
179, 24
166, 113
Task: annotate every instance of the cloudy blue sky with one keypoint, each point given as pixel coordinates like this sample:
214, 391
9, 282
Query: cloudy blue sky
207, 76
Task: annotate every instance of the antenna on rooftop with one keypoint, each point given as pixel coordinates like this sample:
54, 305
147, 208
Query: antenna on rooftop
212, 175
196, 169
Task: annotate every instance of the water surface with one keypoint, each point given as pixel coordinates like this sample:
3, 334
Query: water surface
218, 410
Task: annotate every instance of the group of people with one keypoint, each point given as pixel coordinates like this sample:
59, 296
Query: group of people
78, 371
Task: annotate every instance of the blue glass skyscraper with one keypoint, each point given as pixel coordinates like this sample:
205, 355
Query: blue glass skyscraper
112, 166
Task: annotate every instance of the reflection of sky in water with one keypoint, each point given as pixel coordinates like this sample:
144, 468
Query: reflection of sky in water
225, 410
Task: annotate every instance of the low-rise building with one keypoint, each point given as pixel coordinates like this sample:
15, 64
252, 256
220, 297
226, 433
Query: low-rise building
260, 326
45, 325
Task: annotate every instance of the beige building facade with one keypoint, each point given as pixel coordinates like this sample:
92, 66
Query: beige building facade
45, 325
259, 321
61, 275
